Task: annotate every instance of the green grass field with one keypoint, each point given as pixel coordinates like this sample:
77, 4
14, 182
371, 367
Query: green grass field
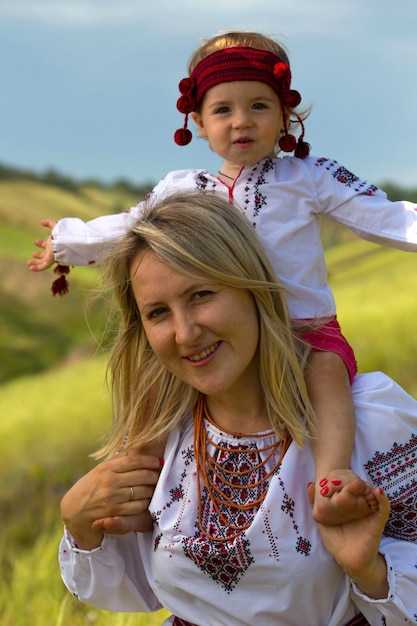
54, 404
33, 592
50, 424
377, 307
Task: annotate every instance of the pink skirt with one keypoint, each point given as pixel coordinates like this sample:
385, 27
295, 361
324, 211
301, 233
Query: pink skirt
329, 338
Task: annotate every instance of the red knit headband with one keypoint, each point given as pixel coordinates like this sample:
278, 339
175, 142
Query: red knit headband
241, 63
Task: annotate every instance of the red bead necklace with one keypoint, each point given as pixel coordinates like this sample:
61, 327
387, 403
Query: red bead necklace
211, 474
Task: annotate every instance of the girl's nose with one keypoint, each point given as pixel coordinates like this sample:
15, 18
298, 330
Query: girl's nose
241, 119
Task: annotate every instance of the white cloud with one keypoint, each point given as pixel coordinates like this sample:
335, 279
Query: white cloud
296, 15
288, 18
74, 12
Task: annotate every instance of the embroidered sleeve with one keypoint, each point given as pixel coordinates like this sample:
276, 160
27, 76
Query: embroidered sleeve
345, 198
111, 577
400, 606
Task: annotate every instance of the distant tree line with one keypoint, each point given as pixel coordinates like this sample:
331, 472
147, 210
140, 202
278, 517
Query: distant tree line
56, 179
396, 192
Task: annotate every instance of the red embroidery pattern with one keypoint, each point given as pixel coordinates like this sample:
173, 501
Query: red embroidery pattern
178, 494
345, 177
224, 562
273, 539
395, 472
302, 544
202, 183
253, 185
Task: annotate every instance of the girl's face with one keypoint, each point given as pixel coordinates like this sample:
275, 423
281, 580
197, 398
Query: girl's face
242, 121
204, 332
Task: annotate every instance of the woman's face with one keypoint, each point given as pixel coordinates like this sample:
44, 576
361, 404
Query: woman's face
204, 332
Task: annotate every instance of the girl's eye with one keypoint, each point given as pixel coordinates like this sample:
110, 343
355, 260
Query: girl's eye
259, 106
221, 110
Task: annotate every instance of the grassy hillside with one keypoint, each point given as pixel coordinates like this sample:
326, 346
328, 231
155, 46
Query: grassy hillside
37, 330
45, 441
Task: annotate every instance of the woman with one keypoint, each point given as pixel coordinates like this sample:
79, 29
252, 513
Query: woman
206, 375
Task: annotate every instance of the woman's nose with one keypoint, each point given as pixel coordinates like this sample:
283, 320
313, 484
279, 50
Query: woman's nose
187, 329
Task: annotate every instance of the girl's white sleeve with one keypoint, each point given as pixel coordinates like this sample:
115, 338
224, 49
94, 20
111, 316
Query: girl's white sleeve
84, 243
111, 577
400, 607
75, 242
362, 207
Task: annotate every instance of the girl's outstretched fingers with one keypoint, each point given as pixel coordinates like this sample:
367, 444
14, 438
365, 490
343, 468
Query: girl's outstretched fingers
43, 259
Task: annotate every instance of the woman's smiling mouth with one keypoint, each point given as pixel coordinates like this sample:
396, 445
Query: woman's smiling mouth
200, 356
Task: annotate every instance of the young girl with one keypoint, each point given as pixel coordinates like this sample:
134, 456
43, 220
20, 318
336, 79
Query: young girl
240, 97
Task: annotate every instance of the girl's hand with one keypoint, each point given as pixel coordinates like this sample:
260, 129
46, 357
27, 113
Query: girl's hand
115, 489
355, 546
43, 260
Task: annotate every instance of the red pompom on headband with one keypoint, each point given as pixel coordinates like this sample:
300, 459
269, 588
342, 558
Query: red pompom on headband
241, 63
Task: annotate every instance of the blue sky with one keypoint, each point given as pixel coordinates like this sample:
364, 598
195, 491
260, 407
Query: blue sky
89, 86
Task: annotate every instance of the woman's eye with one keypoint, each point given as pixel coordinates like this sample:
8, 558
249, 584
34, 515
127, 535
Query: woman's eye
199, 295
155, 313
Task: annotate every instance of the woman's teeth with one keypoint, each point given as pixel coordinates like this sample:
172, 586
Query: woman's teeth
204, 353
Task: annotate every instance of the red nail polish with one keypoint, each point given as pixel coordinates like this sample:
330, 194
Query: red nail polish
323, 482
336, 482
161, 462
324, 491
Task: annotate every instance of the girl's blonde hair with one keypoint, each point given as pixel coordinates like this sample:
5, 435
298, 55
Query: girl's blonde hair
232, 39
198, 234
249, 39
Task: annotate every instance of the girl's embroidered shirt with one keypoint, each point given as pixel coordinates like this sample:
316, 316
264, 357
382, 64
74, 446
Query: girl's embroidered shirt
283, 199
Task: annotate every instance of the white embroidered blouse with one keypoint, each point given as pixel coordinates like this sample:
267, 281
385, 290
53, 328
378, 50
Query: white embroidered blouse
277, 571
283, 198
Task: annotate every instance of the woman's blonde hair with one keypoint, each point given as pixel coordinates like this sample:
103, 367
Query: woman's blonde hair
198, 234
249, 39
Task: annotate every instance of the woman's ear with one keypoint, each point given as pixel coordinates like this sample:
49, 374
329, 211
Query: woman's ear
199, 123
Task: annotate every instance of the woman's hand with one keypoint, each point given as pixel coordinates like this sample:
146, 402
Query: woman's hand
43, 260
112, 497
355, 547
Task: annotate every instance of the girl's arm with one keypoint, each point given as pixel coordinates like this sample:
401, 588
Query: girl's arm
345, 198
